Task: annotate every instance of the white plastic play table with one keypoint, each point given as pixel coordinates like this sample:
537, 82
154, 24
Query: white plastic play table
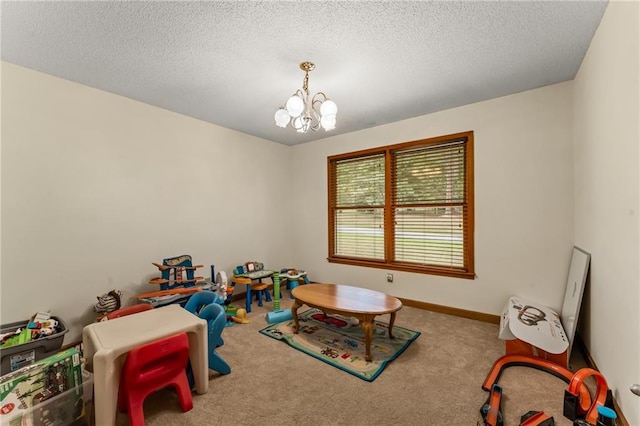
107, 343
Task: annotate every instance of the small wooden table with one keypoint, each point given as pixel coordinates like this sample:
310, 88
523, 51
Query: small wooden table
361, 303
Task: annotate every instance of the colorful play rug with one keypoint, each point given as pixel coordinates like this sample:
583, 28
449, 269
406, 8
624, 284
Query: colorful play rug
339, 341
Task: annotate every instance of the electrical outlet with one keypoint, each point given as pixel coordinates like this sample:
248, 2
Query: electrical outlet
389, 278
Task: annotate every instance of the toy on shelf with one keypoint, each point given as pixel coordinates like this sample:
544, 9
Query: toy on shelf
176, 272
177, 281
173, 291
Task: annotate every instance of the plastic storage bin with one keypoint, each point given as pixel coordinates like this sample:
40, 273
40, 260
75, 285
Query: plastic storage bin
15, 357
49, 392
74, 407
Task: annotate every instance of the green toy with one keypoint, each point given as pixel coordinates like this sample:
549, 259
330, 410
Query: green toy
23, 336
278, 315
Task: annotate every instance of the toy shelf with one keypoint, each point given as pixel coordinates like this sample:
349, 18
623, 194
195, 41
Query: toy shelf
165, 267
159, 280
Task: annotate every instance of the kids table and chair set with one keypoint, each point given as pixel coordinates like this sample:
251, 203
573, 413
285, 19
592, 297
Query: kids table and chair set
124, 352
251, 272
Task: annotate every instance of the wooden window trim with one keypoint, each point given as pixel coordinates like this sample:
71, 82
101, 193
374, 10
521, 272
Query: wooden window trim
468, 272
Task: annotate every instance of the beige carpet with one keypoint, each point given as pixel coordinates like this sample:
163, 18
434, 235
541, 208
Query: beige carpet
436, 381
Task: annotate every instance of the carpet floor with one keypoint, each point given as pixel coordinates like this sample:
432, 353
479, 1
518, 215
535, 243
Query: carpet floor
436, 381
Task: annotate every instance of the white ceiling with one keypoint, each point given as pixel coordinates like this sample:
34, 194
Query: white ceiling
233, 63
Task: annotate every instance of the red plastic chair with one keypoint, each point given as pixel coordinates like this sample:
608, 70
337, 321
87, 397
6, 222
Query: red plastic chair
128, 310
151, 367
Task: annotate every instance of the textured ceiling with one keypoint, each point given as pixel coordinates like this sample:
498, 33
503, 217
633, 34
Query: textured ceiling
234, 63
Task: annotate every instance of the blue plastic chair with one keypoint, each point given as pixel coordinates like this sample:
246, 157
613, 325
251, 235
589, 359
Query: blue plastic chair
216, 318
198, 301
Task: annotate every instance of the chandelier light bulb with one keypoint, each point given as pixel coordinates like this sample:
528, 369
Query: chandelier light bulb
329, 108
297, 124
282, 117
306, 112
328, 122
295, 105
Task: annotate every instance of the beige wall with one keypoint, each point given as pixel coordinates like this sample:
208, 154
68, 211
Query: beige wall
523, 193
607, 189
95, 187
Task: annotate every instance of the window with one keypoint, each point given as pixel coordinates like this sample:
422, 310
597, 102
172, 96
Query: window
405, 207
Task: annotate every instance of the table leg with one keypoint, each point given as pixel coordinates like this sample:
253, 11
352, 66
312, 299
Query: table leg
294, 314
367, 327
248, 302
199, 357
391, 321
106, 378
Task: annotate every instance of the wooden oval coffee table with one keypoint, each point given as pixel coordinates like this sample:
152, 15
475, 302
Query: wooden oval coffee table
361, 303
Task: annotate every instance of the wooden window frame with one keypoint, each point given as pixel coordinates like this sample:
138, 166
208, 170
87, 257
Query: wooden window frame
468, 269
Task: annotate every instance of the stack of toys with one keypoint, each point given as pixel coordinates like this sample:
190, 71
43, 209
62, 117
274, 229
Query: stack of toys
40, 325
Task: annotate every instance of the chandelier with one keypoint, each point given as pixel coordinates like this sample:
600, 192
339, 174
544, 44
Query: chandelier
305, 112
